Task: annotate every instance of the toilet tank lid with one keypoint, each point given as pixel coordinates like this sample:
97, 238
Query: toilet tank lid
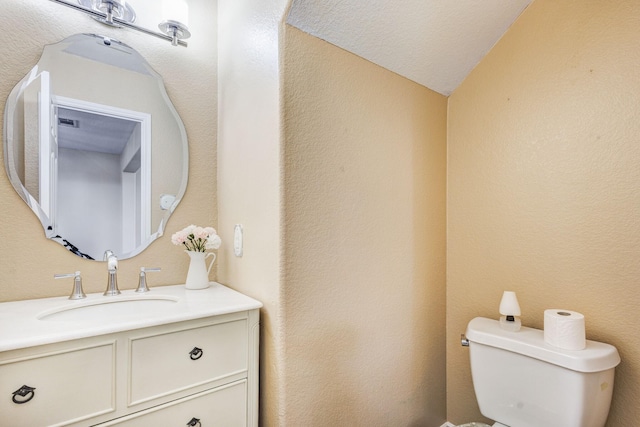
530, 342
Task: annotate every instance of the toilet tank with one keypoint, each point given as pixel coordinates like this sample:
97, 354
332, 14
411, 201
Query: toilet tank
522, 381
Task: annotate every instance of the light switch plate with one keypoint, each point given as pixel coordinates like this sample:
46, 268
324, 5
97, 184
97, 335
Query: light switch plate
238, 240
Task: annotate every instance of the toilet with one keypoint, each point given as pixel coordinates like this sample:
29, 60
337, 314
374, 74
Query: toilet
521, 381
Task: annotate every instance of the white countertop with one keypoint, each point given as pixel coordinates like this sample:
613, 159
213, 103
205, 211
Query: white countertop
22, 323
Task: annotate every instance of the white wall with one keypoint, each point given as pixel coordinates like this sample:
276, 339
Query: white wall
249, 172
90, 200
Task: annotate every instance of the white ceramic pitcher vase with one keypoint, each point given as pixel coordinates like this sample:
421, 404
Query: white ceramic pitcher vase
198, 275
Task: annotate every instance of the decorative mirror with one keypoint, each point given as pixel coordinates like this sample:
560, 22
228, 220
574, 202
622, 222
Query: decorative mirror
95, 147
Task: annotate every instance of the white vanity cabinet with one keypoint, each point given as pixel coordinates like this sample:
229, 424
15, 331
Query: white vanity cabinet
198, 369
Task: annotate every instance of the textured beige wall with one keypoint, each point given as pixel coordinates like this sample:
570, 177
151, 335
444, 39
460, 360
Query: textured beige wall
364, 235
249, 177
543, 185
28, 259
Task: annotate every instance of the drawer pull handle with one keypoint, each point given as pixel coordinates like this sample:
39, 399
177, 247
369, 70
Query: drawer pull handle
196, 354
194, 422
25, 391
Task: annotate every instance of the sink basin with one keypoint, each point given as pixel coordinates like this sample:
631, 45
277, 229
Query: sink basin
109, 307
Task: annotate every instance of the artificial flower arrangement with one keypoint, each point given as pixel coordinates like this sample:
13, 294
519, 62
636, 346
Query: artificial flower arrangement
197, 239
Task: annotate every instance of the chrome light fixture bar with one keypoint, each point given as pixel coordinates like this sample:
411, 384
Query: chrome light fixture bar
116, 13
111, 8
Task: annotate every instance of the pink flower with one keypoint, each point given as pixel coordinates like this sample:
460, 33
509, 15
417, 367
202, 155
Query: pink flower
179, 237
199, 233
196, 238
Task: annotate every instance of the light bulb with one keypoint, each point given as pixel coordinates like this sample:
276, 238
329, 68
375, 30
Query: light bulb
176, 10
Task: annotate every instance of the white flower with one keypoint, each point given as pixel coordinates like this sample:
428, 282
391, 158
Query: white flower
213, 242
197, 239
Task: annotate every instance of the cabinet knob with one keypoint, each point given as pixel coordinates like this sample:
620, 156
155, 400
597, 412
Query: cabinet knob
194, 422
196, 354
25, 394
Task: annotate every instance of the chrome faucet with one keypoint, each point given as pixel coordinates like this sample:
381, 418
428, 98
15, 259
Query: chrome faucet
77, 293
142, 282
112, 269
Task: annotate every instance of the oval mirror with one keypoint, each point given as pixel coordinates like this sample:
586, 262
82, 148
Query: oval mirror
95, 147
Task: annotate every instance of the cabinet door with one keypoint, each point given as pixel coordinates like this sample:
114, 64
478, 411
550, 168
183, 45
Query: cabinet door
224, 406
168, 363
61, 388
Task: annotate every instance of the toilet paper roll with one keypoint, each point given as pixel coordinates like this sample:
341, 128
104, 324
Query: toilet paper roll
564, 329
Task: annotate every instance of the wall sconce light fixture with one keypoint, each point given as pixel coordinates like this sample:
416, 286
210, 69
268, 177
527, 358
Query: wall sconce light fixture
175, 15
111, 8
119, 13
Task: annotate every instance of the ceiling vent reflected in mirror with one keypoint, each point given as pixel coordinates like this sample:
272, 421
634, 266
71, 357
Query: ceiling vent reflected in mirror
68, 122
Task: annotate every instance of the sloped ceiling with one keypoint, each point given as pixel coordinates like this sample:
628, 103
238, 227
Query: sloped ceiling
435, 43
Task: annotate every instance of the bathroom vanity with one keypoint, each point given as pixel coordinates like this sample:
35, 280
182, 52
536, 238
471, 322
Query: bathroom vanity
167, 357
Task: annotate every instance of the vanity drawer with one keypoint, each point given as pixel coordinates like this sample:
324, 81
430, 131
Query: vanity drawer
224, 406
69, 386
173, 362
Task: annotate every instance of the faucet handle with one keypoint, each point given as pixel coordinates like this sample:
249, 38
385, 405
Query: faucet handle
77, 292
112, 260
142, 281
